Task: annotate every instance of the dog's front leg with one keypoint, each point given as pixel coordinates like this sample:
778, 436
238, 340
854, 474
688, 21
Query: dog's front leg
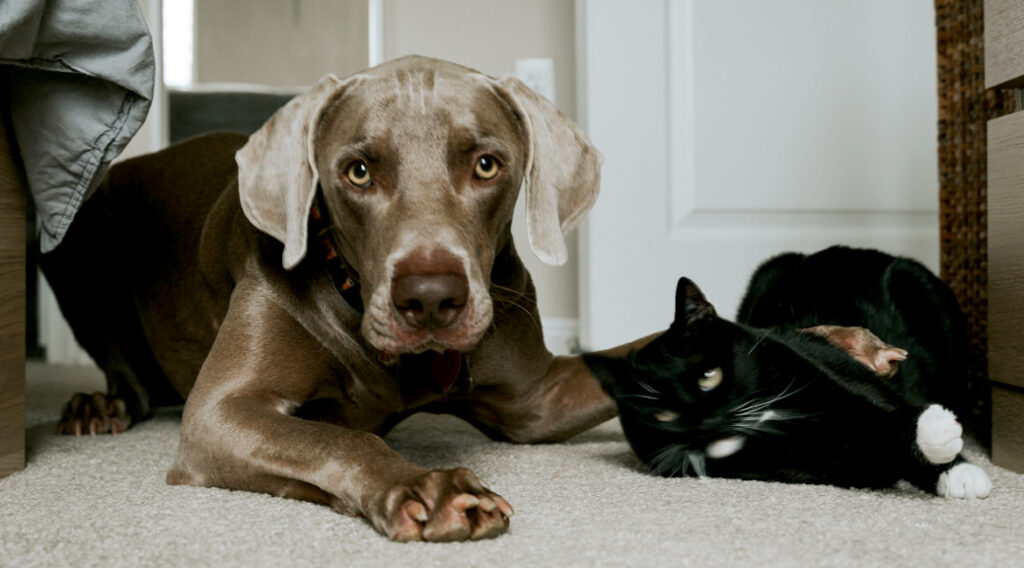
240, 431
528, 395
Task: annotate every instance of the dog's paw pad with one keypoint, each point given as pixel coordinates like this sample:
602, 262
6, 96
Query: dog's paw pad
964, 481
939, 435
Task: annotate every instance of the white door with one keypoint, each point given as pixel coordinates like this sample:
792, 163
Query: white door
735, 130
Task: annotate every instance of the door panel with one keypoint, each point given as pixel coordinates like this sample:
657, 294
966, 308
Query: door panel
733, 131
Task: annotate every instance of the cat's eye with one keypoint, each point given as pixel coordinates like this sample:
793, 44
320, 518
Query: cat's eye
666, 416
487, 167
358, 174
710, 380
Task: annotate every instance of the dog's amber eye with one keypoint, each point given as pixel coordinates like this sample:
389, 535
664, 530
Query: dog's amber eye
711, 379
358, 174
487, 167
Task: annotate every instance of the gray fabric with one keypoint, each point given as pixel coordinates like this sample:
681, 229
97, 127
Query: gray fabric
80, 77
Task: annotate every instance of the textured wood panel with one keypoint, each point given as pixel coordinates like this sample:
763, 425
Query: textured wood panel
1004, 43
1007, 426
12, 308
1006, 248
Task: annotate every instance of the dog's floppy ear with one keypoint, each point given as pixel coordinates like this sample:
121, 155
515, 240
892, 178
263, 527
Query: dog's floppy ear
277, 175
562, 175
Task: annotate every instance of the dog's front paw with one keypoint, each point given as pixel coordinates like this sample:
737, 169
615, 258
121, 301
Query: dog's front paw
864, 346
939, 435
442, 505
964, 481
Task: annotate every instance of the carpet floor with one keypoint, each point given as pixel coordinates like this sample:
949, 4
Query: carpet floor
103, 502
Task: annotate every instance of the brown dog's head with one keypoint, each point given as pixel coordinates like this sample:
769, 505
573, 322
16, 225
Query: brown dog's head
420, 162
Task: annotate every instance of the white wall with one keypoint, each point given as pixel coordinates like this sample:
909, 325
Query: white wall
282, 43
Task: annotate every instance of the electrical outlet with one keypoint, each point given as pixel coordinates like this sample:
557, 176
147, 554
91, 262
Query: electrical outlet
538, 74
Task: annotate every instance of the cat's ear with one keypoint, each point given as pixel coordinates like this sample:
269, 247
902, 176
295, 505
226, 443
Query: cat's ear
691, 305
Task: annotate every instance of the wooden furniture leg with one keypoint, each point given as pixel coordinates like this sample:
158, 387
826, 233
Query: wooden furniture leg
12, 302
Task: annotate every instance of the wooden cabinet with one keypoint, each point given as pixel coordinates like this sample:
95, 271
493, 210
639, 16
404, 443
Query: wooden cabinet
1004, 67
12, 307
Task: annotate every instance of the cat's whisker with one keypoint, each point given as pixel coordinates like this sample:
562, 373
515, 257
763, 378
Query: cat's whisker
696, 459
757, 428
758, 342
757, 405
642, 396
646, 386
751, 406
676, 460
660, 459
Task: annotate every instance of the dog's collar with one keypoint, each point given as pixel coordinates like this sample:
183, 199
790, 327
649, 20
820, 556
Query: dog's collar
345, 279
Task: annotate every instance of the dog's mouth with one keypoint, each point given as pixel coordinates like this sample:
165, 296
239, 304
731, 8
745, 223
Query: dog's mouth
440, 369
429, 346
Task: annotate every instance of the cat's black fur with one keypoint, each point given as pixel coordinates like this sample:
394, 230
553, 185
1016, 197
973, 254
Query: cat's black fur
806, 411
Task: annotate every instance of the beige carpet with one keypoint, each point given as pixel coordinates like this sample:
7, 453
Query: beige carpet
102, 502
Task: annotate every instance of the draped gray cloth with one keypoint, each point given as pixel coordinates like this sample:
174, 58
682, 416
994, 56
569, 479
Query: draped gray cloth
79, 76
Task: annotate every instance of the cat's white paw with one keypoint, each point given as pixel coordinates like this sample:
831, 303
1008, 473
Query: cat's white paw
939, 435
964, 481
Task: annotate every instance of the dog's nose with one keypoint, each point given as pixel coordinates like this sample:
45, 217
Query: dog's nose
430, 300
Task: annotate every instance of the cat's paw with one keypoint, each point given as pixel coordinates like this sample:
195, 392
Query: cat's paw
964, 481
939, 435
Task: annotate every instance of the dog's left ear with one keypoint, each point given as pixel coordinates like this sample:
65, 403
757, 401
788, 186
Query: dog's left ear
277, 175
562, 174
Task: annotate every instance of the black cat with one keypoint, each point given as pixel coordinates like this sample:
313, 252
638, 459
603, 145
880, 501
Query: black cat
799, 391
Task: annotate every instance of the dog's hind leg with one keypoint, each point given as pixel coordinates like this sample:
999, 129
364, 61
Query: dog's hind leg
91, 281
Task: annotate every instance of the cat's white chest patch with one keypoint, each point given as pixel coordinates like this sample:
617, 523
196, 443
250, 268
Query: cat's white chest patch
725, 447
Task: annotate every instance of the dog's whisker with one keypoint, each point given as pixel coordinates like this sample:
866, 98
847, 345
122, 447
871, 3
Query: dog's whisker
512, 291
524, 309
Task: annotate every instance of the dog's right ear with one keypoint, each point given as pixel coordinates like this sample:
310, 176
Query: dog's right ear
277, 175
563, 170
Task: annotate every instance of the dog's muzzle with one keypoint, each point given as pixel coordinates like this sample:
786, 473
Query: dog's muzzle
430, 301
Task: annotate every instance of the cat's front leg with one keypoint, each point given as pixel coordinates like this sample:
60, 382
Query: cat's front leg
939, 435
939, 440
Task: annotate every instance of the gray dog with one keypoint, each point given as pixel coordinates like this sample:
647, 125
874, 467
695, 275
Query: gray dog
349, 264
